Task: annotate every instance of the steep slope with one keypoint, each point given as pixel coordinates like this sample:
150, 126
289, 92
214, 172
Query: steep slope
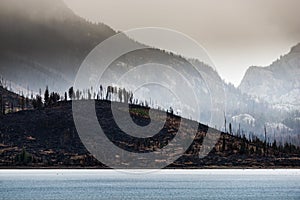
12, 102
279, 83
43, 42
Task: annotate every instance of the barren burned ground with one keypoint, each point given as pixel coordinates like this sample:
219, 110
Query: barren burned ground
47, 138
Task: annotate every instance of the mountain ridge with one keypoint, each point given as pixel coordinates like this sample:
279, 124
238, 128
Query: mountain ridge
277, 83
38, 51
55, 40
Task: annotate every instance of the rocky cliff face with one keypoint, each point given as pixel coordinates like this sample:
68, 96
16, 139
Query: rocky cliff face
279, 83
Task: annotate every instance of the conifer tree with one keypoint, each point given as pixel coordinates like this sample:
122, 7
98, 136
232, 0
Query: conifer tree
71, 93
46, 97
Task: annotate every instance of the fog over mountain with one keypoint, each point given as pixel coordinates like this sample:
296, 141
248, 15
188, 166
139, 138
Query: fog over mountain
46, 48
43, 43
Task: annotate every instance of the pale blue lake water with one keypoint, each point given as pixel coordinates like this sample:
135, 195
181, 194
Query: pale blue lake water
159, 184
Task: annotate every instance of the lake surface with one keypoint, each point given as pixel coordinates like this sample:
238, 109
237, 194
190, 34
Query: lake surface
143, 184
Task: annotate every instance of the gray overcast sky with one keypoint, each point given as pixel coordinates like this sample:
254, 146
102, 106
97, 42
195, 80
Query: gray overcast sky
236, 33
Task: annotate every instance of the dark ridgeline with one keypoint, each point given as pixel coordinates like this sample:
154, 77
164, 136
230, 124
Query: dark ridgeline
46, 137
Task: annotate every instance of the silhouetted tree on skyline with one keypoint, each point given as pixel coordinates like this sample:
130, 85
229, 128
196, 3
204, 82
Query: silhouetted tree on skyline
71, 93
46, 97
101, 92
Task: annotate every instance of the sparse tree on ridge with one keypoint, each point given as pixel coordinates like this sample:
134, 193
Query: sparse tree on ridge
89, 94
265, 144
101, 92
109, 93
131, 97
120, 93
46, 97
77, 95
71, 93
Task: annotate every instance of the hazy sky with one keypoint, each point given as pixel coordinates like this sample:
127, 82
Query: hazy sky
236, 33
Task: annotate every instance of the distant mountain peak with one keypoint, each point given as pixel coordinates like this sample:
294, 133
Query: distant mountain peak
278, 83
